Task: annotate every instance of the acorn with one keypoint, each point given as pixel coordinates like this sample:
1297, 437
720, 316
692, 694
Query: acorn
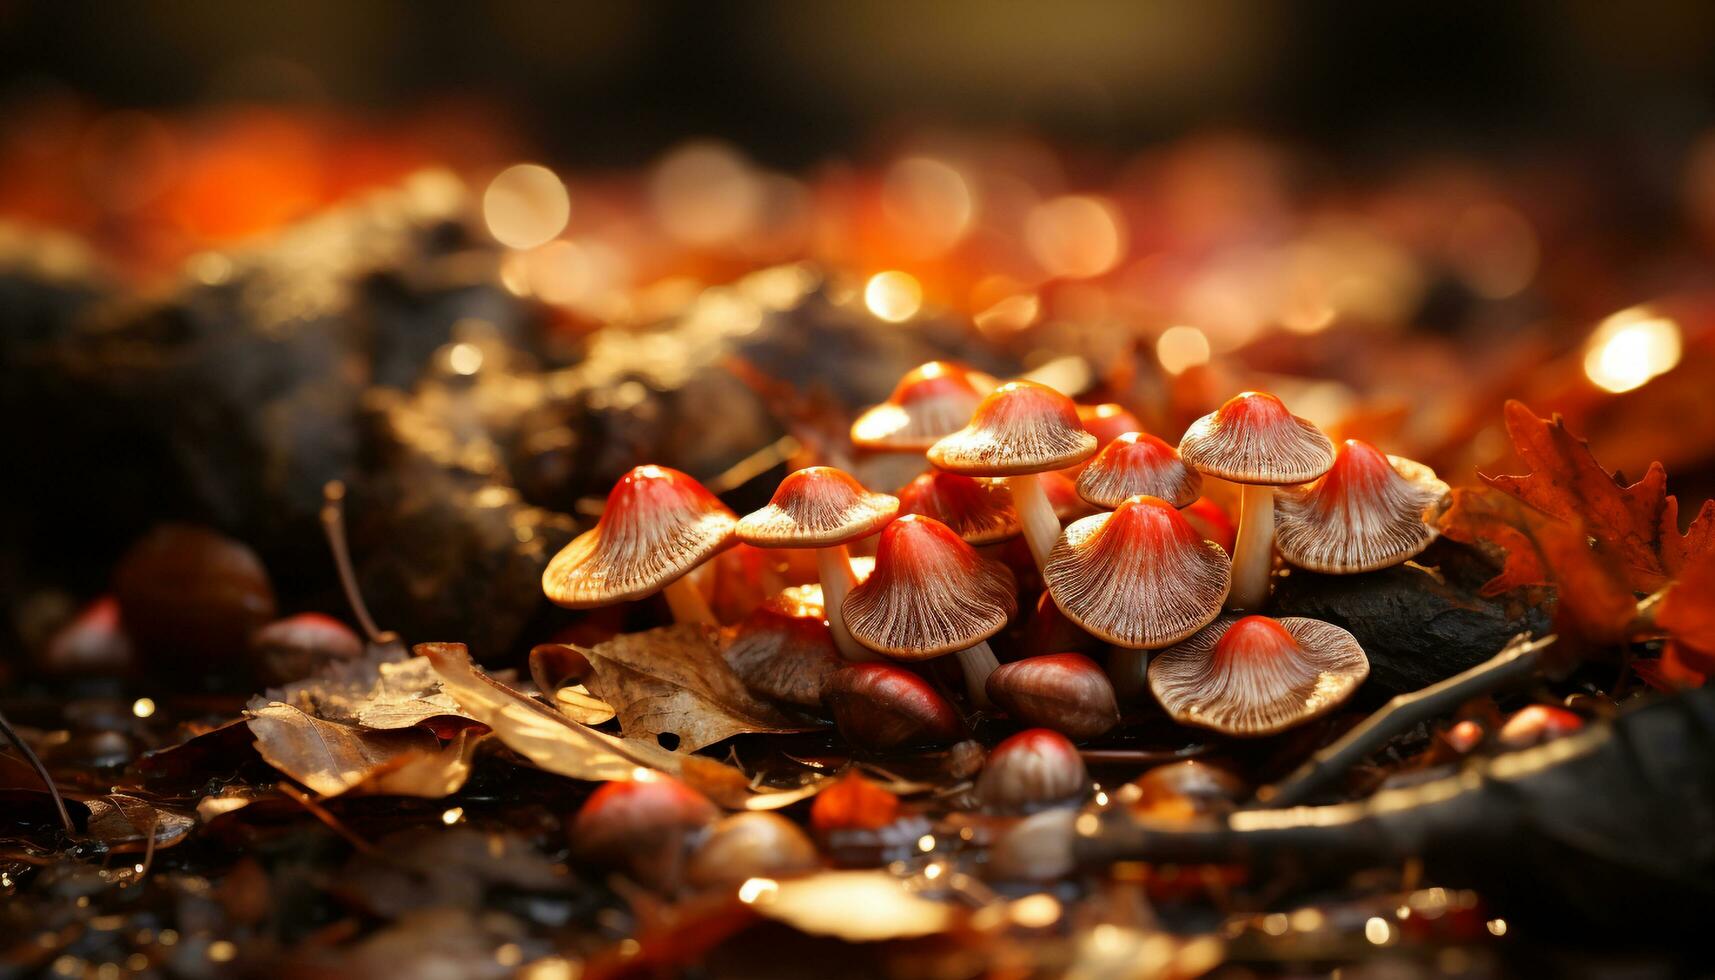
1067, 692
297, 647
751, 845
1033, 769
642, 826
881, 707
189, 594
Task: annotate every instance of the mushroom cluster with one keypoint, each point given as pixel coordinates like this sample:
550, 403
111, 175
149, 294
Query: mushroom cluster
1117, 557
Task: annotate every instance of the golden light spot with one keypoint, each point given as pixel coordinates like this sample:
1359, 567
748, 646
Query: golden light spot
1377, 931
464, 358
222, 951
1307, 920
508, 954
1087, 824
926, 843
1631, 347
642, 774
929, 203
452, 816
1181, 348
1036, 911
525, 205
1493, 249
143, 707
705, 194
1497, 927
1275, 924
933, 871
893, 296
757, 889
1075, 237
1010, 315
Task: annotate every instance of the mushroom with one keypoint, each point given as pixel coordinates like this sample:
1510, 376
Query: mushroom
783, 650
932, 400
1032, 770
1063, 497
931, 594
1134, 464
751, 845
1254, 675
1253, 440
658, 525
92, 643
979, 512
191, 595
1138, 577
293, 648
1368, 511
1067, 692
1107, 422
882, 707
642, 825
822, 508
1535, 724
1022, 429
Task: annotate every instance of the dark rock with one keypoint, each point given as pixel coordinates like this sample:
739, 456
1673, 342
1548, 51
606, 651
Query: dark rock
1419, 622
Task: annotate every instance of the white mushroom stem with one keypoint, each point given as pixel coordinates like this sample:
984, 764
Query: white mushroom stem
834, 566
978, 663
1128, 670
687, 602
1253, 553
1036, 514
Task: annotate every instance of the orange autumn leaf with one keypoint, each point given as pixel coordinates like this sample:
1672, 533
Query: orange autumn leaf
1687, 615
853, 803
1635, 526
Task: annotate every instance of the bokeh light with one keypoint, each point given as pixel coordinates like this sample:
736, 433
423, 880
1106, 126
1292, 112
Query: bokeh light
1631, 347
893, 296
1075, 237
929, 203
705, 194
526, 205
1181, 348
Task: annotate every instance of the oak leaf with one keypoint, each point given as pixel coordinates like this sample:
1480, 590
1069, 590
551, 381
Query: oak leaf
1687, 615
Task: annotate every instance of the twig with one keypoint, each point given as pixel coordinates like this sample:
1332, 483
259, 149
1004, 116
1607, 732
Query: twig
1517, 660
333, 525
42, 771
320, 812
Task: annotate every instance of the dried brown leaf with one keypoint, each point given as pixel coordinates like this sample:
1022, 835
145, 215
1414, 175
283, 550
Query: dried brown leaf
126, 823
327, 756
430, 775
674, 681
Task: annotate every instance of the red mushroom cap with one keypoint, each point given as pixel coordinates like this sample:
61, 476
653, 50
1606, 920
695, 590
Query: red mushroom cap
817, 507
1368, 511
784, 650
291, 649
1107, 421
980, 513
640, 824
92, 643
1535, 724
1257, 676
1138, 577
1021, 427
1062, 493
930, 593
1134, 464
1252, 438
1212, 522
881, 706
1033, 769
658, 525
932, 400
1067, 692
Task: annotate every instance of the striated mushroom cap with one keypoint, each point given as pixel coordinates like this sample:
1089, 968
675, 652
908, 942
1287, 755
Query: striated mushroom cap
1138, 464
784, 650
1252, 438
1021, 427
1258, 676
1067, 692
817, 507
929, 402
1139, 577
882, 706
658, 525
1368, 511
980, 513
930, 593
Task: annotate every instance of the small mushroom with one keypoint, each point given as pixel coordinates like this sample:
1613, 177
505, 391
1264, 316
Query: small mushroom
1257, 676
1138, 464
783, 650
932, 400
751, 845
823, 508
1022, 429
1253, 440
1138, 577
658, 525
293, 648
1368, 511
1063, 497
882, 707
1032, 770
931, 594
1536, 724
1067, 692
642, 826
93, 643
1107, 422
979, 512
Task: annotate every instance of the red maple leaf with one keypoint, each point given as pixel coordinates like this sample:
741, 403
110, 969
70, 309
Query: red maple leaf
1687, 615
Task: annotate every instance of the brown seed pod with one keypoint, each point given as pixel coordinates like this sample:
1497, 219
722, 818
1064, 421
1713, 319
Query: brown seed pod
882, 707
1033, 769
188, 593
642, 826
751, 845
1067, 692
784, 650
293, 648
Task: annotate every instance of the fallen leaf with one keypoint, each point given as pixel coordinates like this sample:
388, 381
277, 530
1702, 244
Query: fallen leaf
385, 688
853, 803
673, 681
547, 738
433, 774
1635, 526
1687, 615
558, 671
856, 906
126, 823
327, 756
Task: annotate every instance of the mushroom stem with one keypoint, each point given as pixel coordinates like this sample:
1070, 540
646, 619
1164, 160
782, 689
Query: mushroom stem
834, 566
1253, 553
1041, 527
1128, 670
978, 662
687, 602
